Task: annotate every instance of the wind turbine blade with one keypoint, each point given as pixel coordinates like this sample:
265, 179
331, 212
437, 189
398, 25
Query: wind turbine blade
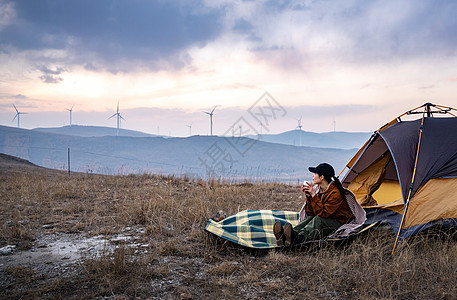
15, 117
15, 108
122, 117
206, 112
112, 116
214, 109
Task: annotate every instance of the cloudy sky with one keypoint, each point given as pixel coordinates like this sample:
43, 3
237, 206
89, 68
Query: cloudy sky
349, 65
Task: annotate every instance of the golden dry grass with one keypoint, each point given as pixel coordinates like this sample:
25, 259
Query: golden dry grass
182, 261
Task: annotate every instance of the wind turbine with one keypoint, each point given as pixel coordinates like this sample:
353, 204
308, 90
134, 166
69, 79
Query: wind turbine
190, 129
119, 117
18, 114
211, 118
70, 110
299, 127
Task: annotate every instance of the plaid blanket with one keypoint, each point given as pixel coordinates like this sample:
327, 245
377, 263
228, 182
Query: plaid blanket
252, 228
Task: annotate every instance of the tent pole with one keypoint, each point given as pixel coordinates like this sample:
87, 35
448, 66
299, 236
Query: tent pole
446, 110
412, 182
349, 165
429, 111
396, 120
409, 112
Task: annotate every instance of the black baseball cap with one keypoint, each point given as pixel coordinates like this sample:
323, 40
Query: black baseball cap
323, 169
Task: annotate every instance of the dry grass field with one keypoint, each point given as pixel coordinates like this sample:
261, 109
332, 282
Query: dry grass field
172, 257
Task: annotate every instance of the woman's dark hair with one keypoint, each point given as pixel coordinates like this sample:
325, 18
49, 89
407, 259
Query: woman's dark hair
329, 178
326, 170
339, 186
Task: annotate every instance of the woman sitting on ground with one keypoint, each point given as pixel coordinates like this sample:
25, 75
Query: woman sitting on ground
325, 209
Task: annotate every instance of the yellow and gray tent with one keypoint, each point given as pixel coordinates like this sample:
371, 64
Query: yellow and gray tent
406, 173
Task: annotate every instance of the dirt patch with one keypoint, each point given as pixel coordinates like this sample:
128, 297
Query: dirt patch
58, 256
56, 249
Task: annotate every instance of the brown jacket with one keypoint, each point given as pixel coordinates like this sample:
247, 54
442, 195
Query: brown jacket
329, 205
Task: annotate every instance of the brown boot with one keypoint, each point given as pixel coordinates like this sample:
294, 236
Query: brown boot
292, 237
279, 233
288, 233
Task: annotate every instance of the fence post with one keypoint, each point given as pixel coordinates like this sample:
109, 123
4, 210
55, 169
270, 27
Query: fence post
69, 169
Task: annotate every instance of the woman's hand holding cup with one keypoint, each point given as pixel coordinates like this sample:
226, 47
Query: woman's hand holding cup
308, 188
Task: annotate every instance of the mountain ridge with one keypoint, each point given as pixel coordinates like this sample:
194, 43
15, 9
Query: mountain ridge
92, 131
199, 156
333, 139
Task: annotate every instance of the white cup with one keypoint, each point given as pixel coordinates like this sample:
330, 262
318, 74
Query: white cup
306, 182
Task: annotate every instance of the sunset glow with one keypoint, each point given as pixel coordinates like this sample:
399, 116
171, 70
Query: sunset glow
358, 63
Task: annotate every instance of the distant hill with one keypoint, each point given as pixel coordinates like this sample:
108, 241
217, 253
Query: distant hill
194, 156
92, 131
9, 163
337, 139
10, 160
